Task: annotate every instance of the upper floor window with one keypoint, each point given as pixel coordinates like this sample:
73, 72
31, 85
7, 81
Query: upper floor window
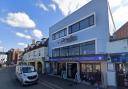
85, 23
39, 53
59, 34
56, 52
75, 50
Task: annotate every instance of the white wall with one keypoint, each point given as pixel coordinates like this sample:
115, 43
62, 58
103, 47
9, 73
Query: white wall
118, 46
43, 53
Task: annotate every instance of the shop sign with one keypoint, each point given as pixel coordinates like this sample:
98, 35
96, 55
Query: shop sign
68, 39
89, 58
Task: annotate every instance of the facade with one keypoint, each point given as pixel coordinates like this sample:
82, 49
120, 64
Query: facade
78, 43
118, 53
13, 55
37, 55
122, 32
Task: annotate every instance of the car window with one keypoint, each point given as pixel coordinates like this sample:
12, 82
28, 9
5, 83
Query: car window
28, 69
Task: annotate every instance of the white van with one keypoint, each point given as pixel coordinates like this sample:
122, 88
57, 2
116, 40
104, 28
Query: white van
26, 74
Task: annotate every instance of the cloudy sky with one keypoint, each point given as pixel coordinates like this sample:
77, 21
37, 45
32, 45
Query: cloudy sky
24, 20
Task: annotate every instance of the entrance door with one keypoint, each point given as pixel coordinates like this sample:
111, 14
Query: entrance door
71, 70
39, 67
122, 74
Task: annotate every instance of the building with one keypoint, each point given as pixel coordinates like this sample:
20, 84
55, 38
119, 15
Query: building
36, 54
13, 55
78, 43
122, 32
118, 51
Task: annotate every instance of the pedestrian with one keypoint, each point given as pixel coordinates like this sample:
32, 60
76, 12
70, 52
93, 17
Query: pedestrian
77, 77
98, 78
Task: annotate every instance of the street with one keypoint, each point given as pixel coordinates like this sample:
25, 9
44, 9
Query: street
8, 81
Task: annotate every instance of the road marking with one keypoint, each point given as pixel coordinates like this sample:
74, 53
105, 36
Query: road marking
47, 85
51, 84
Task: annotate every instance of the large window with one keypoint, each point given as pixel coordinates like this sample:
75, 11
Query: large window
75, 50
85, 23
90, 70
64, 51
56, 52
59, 34
87, 48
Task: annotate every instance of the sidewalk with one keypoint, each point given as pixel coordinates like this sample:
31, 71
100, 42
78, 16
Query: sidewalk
67, 84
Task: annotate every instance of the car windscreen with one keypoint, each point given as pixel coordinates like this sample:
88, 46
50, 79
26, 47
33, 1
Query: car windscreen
28, 69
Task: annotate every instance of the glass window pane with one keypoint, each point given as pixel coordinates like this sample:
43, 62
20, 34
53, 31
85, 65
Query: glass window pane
87, 48
84, 23
75, 27
91, 20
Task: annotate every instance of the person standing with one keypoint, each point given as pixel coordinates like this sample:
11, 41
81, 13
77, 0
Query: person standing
98, 78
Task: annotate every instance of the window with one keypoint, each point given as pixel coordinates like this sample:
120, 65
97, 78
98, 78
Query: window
87, 48
34, 53
56, 52
91, 20
64, 51
73, 28
85, 23
74, 50
59, 34
39, 53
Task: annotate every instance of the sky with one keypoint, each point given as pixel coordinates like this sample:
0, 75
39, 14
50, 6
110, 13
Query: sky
24, 20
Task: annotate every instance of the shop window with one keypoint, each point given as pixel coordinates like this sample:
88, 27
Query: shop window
90, 71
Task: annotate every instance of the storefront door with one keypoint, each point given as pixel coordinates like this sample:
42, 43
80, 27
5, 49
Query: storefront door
71, 70
122, 74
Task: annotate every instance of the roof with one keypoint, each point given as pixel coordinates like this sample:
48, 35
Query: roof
121, 33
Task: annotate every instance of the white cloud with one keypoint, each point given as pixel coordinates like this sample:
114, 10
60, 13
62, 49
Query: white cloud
37, 33
19, 19
69, 6
22, 44
23, 35
42, 6
53, 6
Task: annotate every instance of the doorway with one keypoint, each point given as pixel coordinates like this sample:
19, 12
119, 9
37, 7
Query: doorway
71, 70
39, 67
122, 74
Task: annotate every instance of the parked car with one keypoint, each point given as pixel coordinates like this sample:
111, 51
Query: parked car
26, 74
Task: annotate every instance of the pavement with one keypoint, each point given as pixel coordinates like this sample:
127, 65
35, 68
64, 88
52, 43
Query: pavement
8, 81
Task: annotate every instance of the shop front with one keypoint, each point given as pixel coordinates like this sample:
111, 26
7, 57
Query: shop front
90, 72
121, 68
90, 68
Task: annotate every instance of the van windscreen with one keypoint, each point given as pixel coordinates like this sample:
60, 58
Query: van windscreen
28, 69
